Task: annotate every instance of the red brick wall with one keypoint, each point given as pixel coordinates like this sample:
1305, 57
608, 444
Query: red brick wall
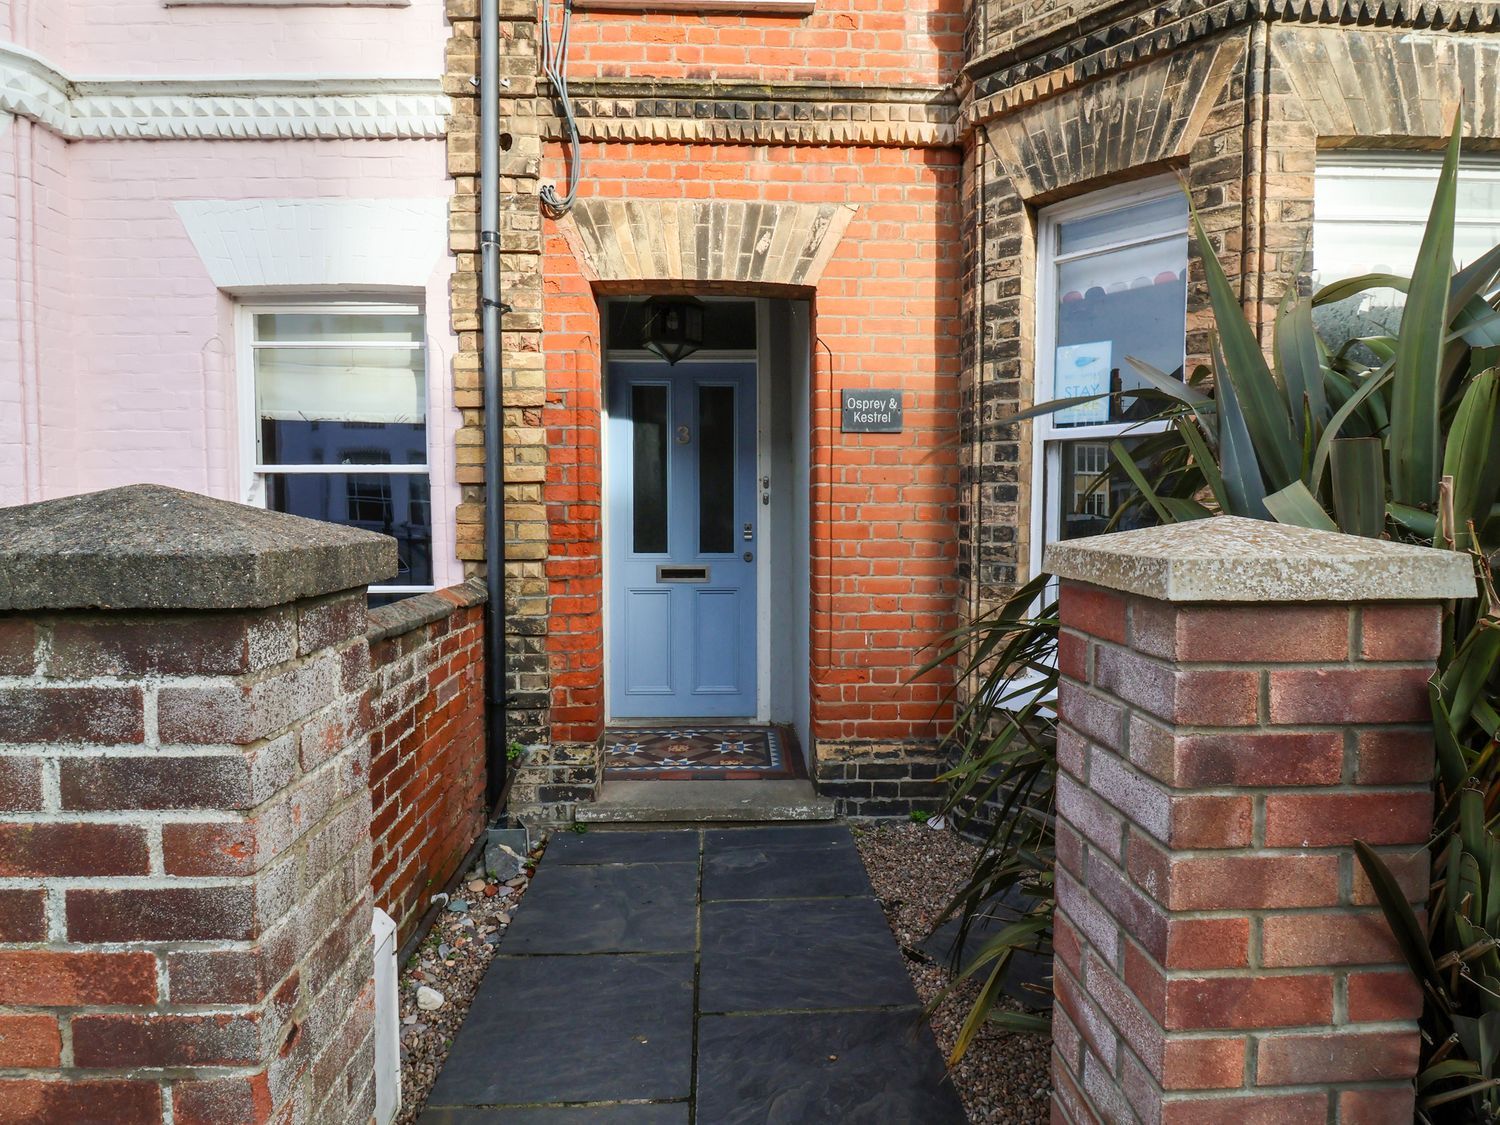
427, 748
1220, 954
884, 554
848, 42
185, 916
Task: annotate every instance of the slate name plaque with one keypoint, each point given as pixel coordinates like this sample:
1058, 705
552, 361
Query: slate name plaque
872, 412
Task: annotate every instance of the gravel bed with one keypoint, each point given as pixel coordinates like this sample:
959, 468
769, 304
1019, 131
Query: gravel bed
451, 960
916, 870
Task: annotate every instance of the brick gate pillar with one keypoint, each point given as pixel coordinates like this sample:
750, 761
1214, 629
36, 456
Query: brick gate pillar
1239, 702
184, 813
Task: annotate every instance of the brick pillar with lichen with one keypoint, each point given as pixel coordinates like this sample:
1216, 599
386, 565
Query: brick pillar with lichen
184, 812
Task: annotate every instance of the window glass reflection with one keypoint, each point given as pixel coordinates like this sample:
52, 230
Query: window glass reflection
716, 454
1113, 305
648, 424
389, 503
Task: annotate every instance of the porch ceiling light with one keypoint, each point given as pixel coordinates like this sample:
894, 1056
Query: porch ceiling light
674, 327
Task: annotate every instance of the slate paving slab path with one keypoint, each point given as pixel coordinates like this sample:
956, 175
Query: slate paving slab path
696, 977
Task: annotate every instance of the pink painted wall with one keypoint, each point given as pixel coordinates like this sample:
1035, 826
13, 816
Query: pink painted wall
122, 38
117, 351
36, 359
39, 25
13, 468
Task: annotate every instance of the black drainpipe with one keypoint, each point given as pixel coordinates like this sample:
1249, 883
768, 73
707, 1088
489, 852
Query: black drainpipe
491, 307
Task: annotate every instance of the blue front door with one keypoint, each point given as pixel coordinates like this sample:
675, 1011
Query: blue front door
682, 540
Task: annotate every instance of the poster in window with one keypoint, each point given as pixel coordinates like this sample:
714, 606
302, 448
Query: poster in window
1083, 369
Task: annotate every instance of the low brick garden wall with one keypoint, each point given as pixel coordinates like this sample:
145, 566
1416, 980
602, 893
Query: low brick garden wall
185, 907
214, 761
427, 745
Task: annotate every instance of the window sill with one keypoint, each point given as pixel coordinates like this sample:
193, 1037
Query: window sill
706, 7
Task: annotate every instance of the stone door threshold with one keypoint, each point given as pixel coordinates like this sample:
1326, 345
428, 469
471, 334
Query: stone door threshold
706, 802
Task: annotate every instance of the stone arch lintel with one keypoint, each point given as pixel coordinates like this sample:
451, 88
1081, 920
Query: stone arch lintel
708, 242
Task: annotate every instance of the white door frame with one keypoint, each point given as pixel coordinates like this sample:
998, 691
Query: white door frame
765, 525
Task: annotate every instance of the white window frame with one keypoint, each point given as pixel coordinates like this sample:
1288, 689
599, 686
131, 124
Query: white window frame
252, 472
1046, 436
1367, 164
1364, 163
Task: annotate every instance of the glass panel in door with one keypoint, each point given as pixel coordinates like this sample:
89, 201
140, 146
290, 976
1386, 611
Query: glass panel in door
716, 461
649, 413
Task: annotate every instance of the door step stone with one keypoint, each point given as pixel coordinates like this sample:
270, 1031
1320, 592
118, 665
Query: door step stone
706, 802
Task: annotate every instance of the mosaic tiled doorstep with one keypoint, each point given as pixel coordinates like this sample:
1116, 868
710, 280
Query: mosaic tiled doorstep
731, 753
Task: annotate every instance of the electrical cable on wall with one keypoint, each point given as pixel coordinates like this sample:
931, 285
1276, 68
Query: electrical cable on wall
554, 59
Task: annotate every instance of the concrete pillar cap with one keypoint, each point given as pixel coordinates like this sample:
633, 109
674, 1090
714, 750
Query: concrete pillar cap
1233, 559
145, 546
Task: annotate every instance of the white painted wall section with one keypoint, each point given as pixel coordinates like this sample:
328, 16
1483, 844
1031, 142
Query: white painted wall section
250, 245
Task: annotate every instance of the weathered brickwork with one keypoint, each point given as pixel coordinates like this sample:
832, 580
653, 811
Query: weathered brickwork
185, 865
883, 554
872, 43
747, 112
943, 126
522, 383
1238, 99
427, 745
849, 109
1052, 44
1000, 29
552, 780
1220, 953
874, 780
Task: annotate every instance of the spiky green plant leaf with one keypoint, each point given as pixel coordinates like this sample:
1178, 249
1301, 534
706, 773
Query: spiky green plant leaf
1416, 385
1203, 460
1238, 462
1353, 286
1244, 366
1419, 523
1299, 361
1474, 665
1127, 463
1452, 768
1408, 931
1359, 487
1295, 505
1446, 1070
1475, 279
1373, 383
1472, 454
